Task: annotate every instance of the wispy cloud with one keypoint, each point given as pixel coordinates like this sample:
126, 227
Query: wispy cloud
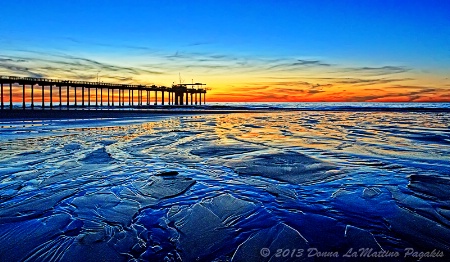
405, 93
38, 64
378, 71
17, 69
289, 65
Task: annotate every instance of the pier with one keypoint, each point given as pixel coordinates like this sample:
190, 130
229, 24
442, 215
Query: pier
43, 93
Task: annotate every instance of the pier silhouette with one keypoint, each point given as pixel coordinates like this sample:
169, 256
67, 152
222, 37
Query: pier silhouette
69, 94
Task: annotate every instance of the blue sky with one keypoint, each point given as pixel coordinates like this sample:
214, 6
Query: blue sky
248, 34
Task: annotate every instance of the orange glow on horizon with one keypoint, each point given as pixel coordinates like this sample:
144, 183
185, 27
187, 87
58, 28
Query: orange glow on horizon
333, 90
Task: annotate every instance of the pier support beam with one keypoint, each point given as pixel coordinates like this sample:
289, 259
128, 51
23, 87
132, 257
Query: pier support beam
75, 88
204, 98
60, 97
51, 96
148, 97
10, 97
192, 101
195, 98
82, 96
156, 97
89, 96
101, 96
43, 97
32, 97
23, 96
120, 102
68, 97
162, 97
3, 105
200, 98
108, 96
139, 97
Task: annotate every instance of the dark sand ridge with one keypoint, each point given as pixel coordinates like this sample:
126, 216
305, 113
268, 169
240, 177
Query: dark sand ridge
113, 113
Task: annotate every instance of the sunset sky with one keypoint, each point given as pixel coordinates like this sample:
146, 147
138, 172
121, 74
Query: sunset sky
244, 50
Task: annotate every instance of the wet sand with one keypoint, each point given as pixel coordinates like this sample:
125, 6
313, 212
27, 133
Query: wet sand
224, 187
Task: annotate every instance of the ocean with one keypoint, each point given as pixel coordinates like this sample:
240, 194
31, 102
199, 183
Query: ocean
294, 182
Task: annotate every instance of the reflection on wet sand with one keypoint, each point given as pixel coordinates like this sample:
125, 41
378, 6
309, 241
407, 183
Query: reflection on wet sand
221, 187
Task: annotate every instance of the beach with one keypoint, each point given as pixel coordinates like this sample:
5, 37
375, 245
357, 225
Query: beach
224, 185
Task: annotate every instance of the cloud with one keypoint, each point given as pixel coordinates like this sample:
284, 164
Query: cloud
407, 94
311, 63
377, 71
14, 69
290, 90
313, 91
365, 82
221, 64
90, 44
67, 66
198, 43
288, 65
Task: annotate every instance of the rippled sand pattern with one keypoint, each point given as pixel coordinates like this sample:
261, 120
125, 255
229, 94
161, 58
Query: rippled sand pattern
221, 187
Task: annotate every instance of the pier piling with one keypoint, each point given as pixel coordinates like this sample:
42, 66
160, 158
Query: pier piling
51, 96
23, 96
3, 105
60, 97
10, 97
82, 96
68, 97
32, 97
